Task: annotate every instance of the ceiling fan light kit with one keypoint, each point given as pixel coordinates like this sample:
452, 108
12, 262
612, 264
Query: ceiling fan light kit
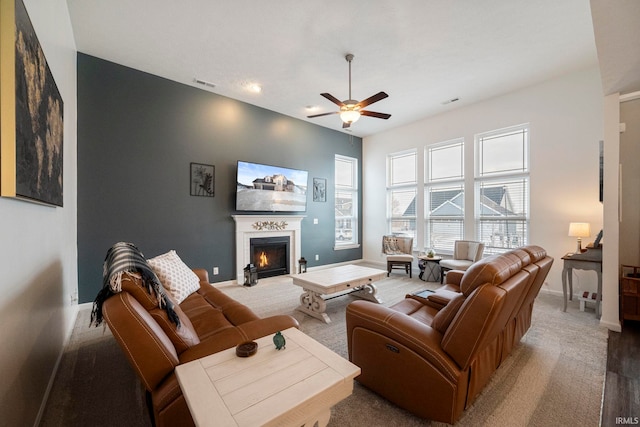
351, 110
349, 115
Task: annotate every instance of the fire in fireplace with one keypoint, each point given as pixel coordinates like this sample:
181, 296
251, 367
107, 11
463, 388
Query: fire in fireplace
270, 255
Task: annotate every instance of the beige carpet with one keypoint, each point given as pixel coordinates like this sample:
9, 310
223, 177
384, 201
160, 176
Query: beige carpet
553, 378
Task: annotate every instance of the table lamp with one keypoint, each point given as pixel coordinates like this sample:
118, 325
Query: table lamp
579, 230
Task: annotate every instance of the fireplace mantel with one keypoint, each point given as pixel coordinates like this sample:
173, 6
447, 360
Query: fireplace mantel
252, 226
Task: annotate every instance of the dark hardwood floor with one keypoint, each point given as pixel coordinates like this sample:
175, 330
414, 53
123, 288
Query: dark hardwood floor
621, 402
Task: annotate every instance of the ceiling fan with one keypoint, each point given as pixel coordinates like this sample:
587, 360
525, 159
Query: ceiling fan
351, 110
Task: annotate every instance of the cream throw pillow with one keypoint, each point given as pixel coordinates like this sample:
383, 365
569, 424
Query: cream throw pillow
176, 277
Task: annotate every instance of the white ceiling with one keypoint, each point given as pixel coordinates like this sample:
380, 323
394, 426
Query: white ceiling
421, 52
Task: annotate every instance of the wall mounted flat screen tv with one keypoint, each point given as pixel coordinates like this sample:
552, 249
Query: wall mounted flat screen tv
265, 188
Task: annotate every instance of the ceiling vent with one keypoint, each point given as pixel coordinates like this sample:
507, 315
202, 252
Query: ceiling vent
204, 83
449, 101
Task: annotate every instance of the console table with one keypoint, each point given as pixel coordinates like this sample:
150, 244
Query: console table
579, 262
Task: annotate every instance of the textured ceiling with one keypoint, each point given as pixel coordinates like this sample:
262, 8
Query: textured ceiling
421, 52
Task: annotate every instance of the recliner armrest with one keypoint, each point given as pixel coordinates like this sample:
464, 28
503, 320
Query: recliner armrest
441, 297
454, 277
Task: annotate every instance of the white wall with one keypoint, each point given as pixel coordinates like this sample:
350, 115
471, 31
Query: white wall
630, 190
611, 255
566, 125
38, 257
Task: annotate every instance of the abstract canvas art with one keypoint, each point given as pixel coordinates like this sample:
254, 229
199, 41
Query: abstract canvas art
32, 113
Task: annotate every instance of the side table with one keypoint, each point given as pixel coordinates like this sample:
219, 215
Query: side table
430, 266
571, 263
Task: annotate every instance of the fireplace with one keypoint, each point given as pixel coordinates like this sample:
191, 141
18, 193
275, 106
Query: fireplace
250, 227
270, 255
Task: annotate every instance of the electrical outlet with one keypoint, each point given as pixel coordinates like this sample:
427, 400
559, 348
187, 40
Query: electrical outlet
317, 257
216, 271
315, 220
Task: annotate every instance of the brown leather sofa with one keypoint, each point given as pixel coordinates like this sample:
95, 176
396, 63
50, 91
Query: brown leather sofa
433, 356
210, 322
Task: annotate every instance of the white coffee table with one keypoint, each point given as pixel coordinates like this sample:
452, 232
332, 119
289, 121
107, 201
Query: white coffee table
333, 280
294, 386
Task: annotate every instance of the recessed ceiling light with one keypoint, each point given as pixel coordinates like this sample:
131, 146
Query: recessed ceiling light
311, 107
254, 87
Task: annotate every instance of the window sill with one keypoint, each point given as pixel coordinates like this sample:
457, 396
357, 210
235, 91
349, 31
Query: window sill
346, 246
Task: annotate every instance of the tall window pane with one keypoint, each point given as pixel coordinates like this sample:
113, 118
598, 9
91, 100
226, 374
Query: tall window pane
444, 196
502, 189
346, 209
401, 193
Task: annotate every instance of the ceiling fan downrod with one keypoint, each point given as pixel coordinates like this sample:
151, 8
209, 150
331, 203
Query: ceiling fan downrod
349, 58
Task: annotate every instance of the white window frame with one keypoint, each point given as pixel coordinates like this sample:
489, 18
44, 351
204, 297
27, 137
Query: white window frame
398, 187
341, 239
432, 185
502, 241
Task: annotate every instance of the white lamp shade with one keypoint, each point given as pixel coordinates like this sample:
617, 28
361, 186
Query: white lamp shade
579, 229
350, 116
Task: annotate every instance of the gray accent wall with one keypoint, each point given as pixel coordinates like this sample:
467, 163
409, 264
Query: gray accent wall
138, 134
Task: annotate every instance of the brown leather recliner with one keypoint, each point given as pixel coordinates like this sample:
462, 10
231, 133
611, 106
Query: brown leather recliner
210, 322
434, 357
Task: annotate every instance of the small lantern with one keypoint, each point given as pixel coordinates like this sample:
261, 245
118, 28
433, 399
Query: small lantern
303, 265
250, 275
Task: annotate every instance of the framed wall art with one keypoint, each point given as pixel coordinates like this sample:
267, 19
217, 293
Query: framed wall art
202, 180
319, 190
31, 113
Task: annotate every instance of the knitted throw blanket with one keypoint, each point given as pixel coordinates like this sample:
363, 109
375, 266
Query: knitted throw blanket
127, 258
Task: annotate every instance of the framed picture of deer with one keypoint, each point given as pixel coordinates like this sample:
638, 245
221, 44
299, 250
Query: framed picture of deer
202, 180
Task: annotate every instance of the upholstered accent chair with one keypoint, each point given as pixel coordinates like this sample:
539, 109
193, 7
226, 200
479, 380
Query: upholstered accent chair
465, 253
399, 252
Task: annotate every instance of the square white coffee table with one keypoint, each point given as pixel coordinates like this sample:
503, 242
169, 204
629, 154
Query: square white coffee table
294, 386
328, 281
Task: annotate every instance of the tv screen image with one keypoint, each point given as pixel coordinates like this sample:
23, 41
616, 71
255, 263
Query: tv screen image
266, 188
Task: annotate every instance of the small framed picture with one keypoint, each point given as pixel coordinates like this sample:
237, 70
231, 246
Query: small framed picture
202, 181
319, 190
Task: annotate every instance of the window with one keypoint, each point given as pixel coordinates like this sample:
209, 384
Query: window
401, 193
346, 209
502, 189
444, 195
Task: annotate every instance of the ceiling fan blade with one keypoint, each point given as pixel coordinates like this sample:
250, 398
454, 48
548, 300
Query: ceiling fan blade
375, 98
333, 99
374, 114
346, 125
322, 114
